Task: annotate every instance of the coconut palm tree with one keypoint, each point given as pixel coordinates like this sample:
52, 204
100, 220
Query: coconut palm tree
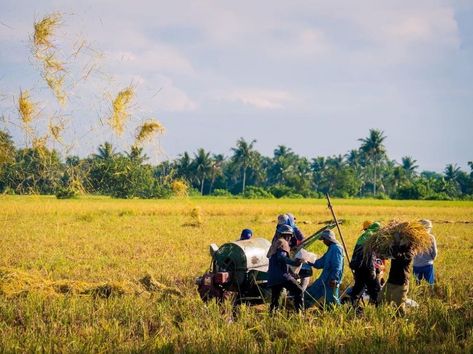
409, 167
217, 168
136, 155
372, 146
105, 152
244, 157
202, 165
451, 172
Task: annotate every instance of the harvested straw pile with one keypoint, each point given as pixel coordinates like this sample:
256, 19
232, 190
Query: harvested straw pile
120, 106
147, 130
412, 234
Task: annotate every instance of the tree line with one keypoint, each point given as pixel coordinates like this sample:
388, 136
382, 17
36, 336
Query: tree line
365, 171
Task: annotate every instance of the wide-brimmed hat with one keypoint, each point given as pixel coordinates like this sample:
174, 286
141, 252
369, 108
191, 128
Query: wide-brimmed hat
426, 223
328, 235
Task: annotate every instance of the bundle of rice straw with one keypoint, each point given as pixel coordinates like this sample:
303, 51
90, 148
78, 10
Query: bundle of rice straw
26, 107
147, 130
412, 234
120, 107
44, 30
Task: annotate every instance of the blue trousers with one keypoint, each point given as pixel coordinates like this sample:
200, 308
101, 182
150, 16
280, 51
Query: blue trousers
425, 272
319, 289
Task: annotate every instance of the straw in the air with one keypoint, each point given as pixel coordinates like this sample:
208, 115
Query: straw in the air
147, 130
44, 30
26, 107
120, 106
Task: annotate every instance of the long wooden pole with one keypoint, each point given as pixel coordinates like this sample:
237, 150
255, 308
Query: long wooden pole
338, 226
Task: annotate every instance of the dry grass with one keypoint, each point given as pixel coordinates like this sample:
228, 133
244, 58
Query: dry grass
26, 107
45, 29
120, 106
411, 233
56, 130
53, 69
147, 130
179, 188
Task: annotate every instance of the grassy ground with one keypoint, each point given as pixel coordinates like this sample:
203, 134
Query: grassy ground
62, 259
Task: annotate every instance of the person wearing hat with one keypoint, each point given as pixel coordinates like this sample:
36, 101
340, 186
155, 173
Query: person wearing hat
424, 262
298, 236
246, 234
279, 273
363, 266
328, 282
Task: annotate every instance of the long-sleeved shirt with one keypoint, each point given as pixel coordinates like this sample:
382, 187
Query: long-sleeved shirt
331, 263
400, 265
428, 257
278, 271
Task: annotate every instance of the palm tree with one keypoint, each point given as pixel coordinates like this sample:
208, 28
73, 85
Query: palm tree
354, 160
451, 172
372, 146
202, 165
184, 166
136, 155
409, 166
105, 152
244, 157
217, 164
284, 162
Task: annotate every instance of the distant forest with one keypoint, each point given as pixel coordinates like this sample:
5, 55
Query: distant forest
366, 171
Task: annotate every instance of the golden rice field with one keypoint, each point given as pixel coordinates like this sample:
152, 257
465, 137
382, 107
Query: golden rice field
70, 271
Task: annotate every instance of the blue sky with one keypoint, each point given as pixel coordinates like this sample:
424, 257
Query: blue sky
312, 75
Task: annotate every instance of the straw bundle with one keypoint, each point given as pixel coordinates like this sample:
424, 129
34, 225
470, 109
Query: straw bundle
148, 130
120, 107
412, 234
26, 107
44, 30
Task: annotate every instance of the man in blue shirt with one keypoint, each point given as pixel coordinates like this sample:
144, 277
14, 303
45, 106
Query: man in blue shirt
328, 283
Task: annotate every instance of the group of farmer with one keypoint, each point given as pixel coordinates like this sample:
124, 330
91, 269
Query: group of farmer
367, 268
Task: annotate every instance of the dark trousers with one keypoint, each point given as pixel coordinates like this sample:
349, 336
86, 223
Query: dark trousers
365, 277
293, 289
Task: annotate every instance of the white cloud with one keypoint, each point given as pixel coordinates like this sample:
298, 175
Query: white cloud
173, 99
260, 98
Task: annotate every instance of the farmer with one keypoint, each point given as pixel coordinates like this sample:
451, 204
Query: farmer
298, 236
424, 262
289, 219
279, 273
329, 281
397, 285
246, 234
363, 267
